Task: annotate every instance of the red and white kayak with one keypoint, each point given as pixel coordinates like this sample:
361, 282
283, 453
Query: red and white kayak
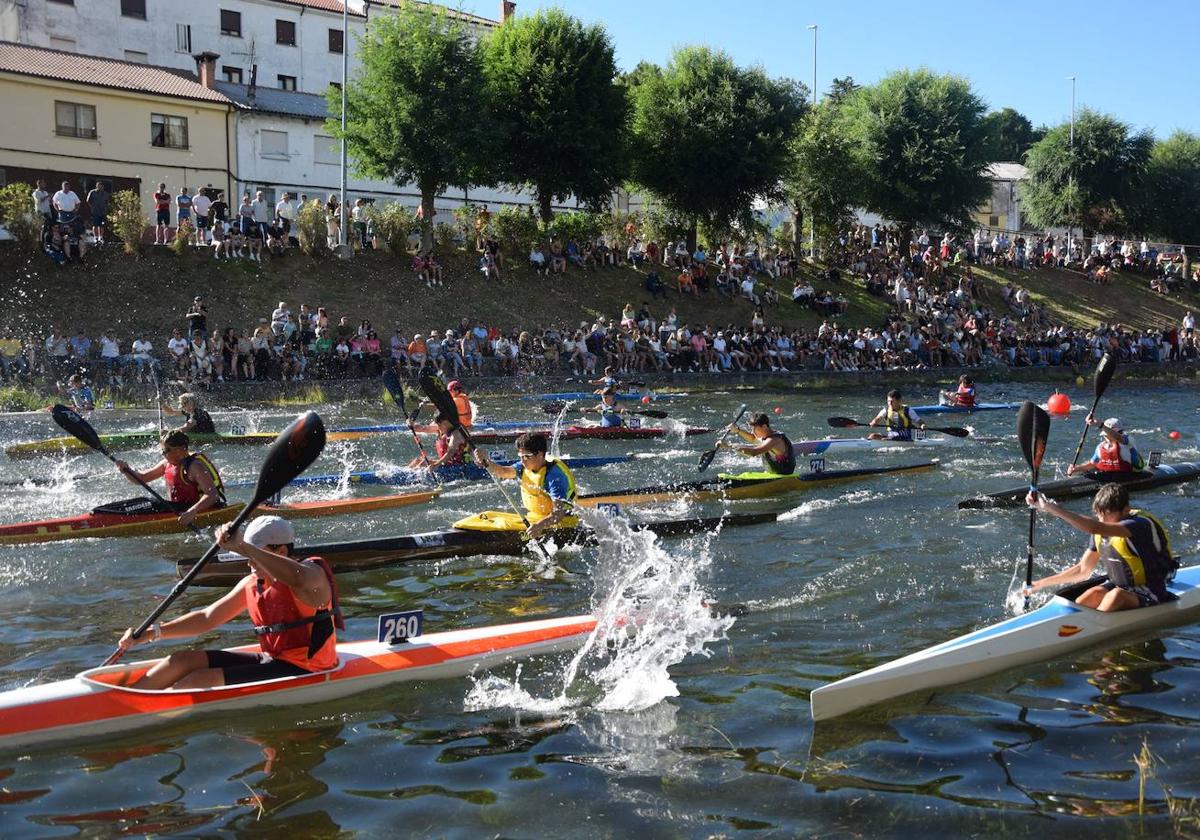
587, 432
100, 702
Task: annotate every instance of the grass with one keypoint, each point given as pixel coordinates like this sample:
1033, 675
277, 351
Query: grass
17, 398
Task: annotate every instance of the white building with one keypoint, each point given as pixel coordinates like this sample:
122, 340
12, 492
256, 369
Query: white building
1002, 209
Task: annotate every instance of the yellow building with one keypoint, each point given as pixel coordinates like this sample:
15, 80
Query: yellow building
83, 119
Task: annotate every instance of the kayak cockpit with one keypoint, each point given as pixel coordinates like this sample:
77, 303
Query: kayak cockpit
122, 677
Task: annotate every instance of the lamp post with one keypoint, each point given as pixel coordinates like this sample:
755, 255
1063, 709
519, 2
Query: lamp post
812, 221
1071, 176
345, 55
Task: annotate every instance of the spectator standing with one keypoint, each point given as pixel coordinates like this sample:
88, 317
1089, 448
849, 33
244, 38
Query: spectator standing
183, 212
333, 220
97, 202
162, 215
262, 217
285, 215
41, 203
202, 207
248, 230
66, 204
197, 316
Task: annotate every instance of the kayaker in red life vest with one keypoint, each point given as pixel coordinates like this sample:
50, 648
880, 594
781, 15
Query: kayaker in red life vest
1114, 454
1131, 548
193, 483
292, 603
964, 396
450, 445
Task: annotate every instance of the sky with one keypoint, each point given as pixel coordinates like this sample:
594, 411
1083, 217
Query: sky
1132, 60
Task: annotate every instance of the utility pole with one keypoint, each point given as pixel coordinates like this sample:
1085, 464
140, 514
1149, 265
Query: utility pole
345, 55
812, 219
1071, 176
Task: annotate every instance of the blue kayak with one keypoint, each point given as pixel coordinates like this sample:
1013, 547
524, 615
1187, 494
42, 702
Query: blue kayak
459, 472
633, 396
958, 409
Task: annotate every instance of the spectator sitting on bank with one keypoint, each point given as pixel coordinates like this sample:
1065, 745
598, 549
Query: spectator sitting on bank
654, 284
537, 260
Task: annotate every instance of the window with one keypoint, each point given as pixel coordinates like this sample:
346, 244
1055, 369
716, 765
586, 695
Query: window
285, 32
994, 221
168, 132
287, 82
138, 56
273, 143
326, 149
232, 74
64, 44
183, 37
74, 120
337, 41
133, 8
231, 23
64, 2
336, 85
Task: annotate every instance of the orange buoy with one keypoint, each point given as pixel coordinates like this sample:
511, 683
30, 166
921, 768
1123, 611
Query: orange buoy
646, 400
1058, 404
779, 409
1174, 435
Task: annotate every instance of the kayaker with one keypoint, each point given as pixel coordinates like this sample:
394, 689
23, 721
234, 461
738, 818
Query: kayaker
193, 482
195, 418
608, 380
450, 444
1114, 454
963, 396
81, 395
899, 419
547, 485
462, 401
610, 413
1131, 548
292, 604
775, 448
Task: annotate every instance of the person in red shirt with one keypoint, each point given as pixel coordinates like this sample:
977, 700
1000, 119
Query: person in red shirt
162, 215
193, 483
964, 396
292, 603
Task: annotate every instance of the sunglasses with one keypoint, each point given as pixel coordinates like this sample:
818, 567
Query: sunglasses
525, 456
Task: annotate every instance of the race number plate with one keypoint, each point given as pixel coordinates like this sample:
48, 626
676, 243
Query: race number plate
634, 422
237, 429
399, 627
1155, 458
612, 511
496, 454
816, 464
918, 434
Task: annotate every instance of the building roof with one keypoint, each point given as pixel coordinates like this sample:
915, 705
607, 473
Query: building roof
266, 100
323, 5
103, 72
1007, 171
455, 13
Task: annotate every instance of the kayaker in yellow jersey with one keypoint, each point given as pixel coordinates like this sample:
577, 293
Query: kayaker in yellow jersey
292, 603
1131, 548
193, 483
899, 419
547, 485
776, 450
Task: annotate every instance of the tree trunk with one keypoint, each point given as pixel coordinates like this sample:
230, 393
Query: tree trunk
544, 207
905, 244
1187, 265
427, 212
797, 230
691, 238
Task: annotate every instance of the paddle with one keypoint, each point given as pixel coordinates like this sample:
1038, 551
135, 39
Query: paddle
157, 397
555, 408
290, 454
1104, 374
1033, 428
71, 422
396, 389
849, 423
436, 391
706, 458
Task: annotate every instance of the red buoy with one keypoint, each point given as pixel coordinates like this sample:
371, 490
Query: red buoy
1058, 404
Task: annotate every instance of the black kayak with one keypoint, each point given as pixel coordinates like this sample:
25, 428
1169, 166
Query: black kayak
1086, 484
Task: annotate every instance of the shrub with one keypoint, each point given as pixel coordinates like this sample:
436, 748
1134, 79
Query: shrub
515, 230
447, 236
582, 227
312, 230
183, 237
127, 220
664, 226
394, 223
17, 214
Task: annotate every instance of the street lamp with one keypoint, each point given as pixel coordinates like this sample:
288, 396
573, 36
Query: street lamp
345, 55
1071, 176
812, 221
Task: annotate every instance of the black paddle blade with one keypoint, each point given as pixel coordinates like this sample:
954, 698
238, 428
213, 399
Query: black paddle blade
707, 458
1104, 374
75, 425
291, 454
953, 431
1033, 429
651, 413
436, 393
843, 422
553, 407
396, 388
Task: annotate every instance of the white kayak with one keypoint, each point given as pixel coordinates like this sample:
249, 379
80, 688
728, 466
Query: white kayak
819, 447
1055, 629
100, 702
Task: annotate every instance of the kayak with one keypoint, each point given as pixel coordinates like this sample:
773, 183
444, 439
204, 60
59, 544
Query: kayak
100, 701
818, 447
457, 472
588, 432
1088, 483
505, 537
961, 409
753, 485
1048, 632
401, 427
633, 396
144, 440
104, 524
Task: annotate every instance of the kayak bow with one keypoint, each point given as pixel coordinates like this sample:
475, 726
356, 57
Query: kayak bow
1088, 483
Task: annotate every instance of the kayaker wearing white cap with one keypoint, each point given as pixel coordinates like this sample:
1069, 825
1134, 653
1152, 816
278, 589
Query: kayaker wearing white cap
1115, 452
292, 603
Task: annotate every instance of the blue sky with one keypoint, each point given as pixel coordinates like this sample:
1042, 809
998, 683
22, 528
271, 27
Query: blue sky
1135, 60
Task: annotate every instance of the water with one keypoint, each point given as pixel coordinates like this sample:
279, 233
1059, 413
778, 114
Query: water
697, 726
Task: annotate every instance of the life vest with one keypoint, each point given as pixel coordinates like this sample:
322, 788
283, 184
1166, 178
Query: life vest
1121, 457
609, 416
442, 445
289, 630
900, 422
1135, 562
780, 465
466, 411
534, 497
185, 491
965, 396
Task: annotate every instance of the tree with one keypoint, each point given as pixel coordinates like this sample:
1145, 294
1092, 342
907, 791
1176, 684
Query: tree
710, 137
1008, 135
552, 86
841, 89
823, 177
918, 142
1173, 193
414, 109
1095, 186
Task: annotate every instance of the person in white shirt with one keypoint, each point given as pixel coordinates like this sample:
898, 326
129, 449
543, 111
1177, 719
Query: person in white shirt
142, 357
285, 214
1189, 324
748, 290
280, 317
721, 352
41, 202
178, 348
66, 202
262, 215
110, 357
201, 206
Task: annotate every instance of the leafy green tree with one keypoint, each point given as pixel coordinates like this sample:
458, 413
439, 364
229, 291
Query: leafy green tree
1008, 135
1097, 185
917, 138
824, 178
711, 137
1173, 193
841, 89
552, 85
415, 108
18, 216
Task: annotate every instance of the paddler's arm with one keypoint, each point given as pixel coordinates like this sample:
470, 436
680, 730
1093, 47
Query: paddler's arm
149, 475
916, 419
760, 448
1086, 524
498, 470
1080, 571
222, 611
454, 447
209, 497
306, 580
742, 433
170, 409
879, 418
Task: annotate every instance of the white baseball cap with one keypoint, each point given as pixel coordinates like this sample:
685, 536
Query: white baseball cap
269, 530
1113, 424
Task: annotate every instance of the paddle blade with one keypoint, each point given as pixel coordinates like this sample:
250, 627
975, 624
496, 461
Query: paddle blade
553, 407
843, 422
707, 458
652, 413
291, 454
394, 387
953, 431
1033, 429
1104, 374
73, 424
436, 393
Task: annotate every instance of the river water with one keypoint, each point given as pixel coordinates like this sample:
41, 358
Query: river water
701, 730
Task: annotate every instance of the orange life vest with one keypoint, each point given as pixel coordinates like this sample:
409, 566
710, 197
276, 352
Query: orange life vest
290, 630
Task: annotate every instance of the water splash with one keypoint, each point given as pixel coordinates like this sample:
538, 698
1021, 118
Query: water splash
812, 506
557, 427
651, 612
